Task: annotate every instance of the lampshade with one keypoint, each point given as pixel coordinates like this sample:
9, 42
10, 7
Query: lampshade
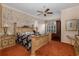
5, 25
36, 24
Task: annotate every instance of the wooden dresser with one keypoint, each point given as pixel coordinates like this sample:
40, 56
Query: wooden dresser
7, 41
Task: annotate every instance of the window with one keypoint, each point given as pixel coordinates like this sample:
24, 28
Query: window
51, 26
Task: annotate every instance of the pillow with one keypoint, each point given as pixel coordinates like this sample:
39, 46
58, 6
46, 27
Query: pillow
28, 33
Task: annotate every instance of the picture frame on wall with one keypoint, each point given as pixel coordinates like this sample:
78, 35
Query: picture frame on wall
71, 25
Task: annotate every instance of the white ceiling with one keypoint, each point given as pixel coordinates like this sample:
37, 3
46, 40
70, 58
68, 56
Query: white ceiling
32, 8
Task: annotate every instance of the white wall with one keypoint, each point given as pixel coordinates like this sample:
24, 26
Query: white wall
67, 14
41, 28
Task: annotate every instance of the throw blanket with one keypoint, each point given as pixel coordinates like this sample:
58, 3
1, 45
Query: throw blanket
24, 40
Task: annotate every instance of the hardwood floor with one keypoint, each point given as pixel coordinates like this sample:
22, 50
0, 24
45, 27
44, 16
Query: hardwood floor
16, 50
56, 48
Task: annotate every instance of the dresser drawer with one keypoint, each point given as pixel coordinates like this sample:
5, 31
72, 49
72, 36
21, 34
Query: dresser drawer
11, 42
4, 43
8, 41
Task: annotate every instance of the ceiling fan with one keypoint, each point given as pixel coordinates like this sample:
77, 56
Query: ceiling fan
45, 12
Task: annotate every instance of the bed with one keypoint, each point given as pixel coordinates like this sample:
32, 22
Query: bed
36, 40
27, 38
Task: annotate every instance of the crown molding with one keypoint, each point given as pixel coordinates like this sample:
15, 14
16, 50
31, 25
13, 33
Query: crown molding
4, 5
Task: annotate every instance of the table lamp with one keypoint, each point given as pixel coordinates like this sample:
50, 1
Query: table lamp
5, 29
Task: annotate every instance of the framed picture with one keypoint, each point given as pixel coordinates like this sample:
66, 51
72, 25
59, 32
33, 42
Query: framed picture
71, 25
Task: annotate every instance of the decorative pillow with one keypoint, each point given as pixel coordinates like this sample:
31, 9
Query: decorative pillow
27, 33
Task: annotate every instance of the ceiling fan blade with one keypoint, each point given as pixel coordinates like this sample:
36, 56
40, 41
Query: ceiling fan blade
47, 9
38, 14
49, 12
40, 11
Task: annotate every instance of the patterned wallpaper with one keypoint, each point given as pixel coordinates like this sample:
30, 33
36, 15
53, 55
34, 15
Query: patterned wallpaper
10, 16
0, 16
